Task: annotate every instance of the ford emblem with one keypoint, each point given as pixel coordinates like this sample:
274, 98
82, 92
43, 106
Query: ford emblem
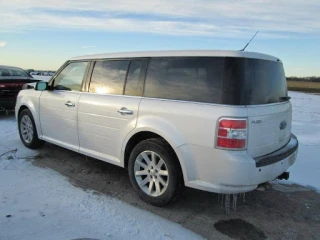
283, 125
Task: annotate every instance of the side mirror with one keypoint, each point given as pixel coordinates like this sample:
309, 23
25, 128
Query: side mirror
41, 86
28, 86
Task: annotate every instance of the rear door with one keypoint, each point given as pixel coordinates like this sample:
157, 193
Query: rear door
59, 107
109, 110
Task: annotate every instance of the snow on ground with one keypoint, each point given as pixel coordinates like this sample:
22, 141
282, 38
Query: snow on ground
306, 126
44, 205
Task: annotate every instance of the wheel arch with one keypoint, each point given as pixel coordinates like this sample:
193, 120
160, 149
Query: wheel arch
142, 135
22, 107
28, 104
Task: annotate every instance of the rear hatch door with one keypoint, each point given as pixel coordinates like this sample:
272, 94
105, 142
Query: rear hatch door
269, 128
263, 91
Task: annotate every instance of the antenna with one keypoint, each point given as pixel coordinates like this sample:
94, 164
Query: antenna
249, 42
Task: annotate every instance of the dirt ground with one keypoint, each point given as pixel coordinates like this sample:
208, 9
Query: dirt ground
283, 212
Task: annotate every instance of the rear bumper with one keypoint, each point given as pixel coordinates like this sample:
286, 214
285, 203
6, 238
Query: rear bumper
280, 154
224, 171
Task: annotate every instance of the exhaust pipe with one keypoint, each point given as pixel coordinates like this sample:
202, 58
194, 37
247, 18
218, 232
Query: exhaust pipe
263, 186
284, 175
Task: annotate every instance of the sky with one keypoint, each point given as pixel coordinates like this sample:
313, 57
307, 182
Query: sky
43, 34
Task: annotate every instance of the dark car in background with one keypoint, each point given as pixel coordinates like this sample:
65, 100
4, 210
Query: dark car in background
12, 80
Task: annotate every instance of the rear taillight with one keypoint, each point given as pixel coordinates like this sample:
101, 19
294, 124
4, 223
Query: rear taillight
232, 134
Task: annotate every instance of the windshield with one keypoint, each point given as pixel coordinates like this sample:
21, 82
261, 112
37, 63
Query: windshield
12, 72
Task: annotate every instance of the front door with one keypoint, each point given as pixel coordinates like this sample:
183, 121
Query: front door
59, 107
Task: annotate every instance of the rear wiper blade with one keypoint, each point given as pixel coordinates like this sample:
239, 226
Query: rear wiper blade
285, 98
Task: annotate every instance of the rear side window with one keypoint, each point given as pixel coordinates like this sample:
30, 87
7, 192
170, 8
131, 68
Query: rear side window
196, 79
135, 77
108, 77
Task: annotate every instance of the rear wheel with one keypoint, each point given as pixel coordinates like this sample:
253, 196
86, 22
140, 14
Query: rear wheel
154, 172
28, 131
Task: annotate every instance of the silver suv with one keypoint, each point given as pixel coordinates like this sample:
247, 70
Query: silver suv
218, 121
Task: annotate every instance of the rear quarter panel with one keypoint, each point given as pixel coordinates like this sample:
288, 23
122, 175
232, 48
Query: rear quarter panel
185, 124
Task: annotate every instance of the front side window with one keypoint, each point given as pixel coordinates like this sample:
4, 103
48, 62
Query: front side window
71, 77
108, 77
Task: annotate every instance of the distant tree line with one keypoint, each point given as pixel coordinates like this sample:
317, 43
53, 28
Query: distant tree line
304, 79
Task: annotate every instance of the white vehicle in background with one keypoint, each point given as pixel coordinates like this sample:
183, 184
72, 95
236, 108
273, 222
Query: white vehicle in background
218, 121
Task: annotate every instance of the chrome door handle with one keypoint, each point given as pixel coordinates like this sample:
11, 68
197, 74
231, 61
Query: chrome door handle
125, 111
69, 104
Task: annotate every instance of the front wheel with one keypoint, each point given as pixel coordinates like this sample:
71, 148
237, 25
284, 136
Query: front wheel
154, 172
28, 131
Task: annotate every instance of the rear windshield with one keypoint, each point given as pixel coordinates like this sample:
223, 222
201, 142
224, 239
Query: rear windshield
12, 72
221, 80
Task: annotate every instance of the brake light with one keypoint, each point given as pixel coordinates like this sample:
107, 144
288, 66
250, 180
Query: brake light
232, 134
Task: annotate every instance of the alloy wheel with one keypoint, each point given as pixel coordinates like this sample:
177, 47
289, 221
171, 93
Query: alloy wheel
26, 129
151, 173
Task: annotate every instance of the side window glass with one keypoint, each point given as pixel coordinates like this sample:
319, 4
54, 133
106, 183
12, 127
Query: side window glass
71, 77
135, 78
108, 77
197, 79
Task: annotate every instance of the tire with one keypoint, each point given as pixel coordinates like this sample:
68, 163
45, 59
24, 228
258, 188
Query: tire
28, 131
165, 177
